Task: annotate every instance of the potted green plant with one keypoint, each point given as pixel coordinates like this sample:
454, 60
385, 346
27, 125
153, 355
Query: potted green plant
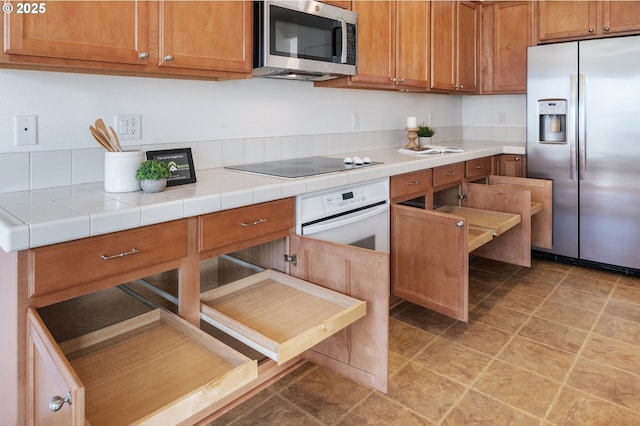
424, 134
153, 175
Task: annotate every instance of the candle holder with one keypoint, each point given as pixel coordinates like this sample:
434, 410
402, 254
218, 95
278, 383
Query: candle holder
412, 135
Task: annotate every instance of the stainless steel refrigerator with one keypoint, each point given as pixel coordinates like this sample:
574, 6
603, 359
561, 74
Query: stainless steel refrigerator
583, 132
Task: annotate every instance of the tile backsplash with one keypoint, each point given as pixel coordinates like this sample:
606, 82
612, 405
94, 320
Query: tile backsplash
46, 169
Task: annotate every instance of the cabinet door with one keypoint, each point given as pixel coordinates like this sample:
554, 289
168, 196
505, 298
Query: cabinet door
566, 19
512, 165
206, 35
466, 47
103, 31
376, 42
443, 45
507, 31
430, 260
49, 375
358, 352
412, 32
619, 17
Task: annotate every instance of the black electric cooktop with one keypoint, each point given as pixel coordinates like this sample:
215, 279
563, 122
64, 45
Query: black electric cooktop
300, 167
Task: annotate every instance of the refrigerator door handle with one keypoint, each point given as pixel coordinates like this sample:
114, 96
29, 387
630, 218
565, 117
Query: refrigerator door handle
571, 123
582, 126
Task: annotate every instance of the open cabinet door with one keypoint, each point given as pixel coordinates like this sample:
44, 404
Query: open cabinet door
541, 192
430, 260
359, 352
514, 246
49, 374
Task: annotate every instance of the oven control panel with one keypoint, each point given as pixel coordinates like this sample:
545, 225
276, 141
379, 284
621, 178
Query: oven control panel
319, 205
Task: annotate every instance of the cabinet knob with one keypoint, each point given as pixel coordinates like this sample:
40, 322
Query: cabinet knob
516, 159
168, 58
56, 402
606, 28
591, 30
143, 55
394, 80
401, 80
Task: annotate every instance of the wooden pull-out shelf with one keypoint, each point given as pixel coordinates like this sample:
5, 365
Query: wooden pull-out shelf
496, 222
152, 369
279, 315
477, 238
535, 207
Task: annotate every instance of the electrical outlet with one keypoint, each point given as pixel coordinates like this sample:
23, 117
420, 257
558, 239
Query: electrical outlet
128, 126
25, 130
355, 121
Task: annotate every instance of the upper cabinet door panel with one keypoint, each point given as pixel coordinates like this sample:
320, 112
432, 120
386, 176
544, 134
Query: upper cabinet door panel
375, 41
566, 19
443, 52
412, 43
619, 17
206, 35
104, 31
467, 46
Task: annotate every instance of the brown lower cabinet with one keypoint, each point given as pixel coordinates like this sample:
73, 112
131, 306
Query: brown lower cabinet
430, 248
160, 361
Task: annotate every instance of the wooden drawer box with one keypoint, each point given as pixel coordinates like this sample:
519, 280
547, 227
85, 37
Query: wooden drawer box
67, 265
410, 183
233, 229
279, 315
478, 168
152, 369
448, 175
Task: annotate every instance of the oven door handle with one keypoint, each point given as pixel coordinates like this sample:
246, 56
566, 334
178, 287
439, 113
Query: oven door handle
344, 220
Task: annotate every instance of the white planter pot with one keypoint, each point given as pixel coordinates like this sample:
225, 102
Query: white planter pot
424, 141
153, 185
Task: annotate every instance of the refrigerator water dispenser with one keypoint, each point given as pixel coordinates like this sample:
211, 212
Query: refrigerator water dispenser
552, 115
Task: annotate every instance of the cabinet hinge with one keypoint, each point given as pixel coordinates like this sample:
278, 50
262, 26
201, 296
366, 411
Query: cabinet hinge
462, 197
293, 259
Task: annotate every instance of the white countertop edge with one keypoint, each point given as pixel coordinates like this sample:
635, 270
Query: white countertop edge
221, 189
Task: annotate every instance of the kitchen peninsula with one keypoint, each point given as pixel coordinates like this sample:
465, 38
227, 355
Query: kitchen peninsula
35, 222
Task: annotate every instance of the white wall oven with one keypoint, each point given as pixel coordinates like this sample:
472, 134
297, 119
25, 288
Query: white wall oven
356, 215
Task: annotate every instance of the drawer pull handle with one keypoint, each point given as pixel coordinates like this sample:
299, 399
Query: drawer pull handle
56, 402
126, 253
414, 182
479, 167
517, 159
450, 174
460, 224
255, 222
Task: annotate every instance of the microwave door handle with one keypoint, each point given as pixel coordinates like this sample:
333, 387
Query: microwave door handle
343, 57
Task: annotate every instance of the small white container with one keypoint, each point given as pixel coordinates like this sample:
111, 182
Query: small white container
120, 171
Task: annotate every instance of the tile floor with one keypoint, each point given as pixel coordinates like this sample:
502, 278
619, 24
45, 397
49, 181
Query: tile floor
552, 345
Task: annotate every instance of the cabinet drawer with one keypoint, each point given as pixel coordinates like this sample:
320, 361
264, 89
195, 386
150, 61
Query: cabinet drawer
279, 315
242, 227
478, 168
445, 175
67, 265
152, 369
410, 183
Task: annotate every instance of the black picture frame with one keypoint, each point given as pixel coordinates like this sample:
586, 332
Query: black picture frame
180, 162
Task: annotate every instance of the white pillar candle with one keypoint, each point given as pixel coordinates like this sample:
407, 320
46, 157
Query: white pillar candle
411, 123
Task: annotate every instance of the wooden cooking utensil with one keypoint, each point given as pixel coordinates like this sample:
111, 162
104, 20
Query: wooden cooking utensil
116, 140
103, 128
100, 139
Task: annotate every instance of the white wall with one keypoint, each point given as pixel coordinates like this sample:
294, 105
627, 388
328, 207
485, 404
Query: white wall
224, 122
189, 110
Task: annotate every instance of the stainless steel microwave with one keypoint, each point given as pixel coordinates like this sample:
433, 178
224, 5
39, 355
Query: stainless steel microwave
303, 39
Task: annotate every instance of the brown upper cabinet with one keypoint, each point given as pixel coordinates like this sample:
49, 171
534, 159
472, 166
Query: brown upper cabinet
454, 51
392, 46
203, 39
568, 20
507, 31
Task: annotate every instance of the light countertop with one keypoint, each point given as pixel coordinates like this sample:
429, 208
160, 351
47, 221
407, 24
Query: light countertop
47, 216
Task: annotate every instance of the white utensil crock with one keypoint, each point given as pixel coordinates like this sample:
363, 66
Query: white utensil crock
120, 171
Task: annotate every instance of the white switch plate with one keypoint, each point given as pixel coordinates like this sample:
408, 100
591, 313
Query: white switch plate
128, 126
355, 120
25, 130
